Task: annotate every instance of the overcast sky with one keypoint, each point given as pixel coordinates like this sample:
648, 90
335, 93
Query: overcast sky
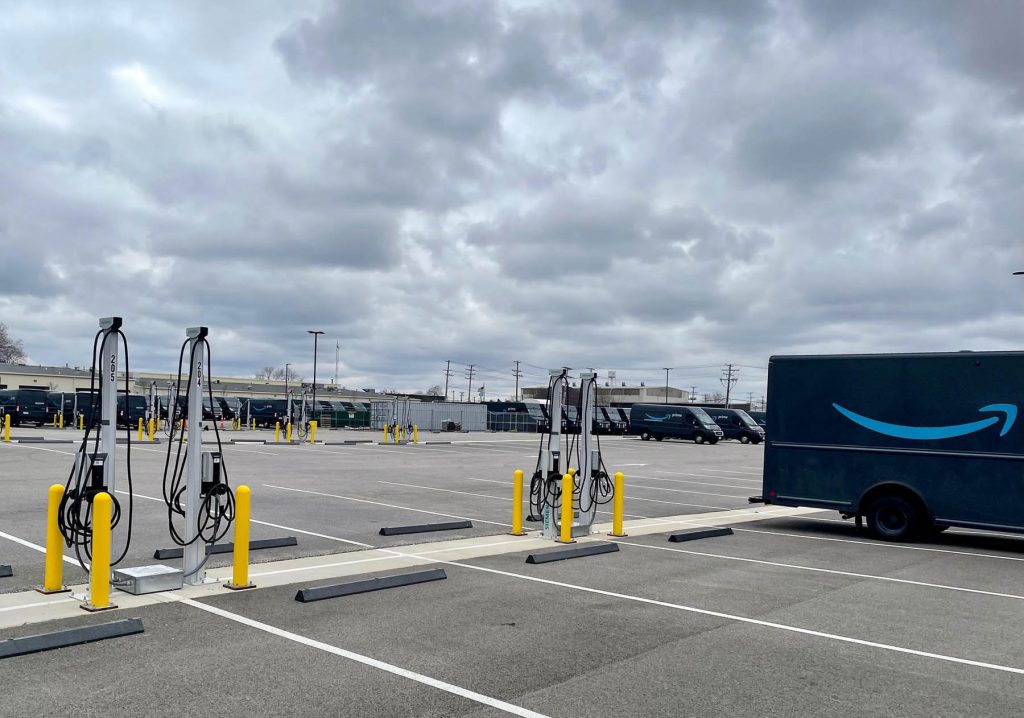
620, 185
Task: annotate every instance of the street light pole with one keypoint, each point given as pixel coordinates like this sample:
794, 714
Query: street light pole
667, 370
316, 335
286, 380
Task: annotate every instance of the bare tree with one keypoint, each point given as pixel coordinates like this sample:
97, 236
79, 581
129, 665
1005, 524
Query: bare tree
278, 373
266, 373
435, 390
11, 350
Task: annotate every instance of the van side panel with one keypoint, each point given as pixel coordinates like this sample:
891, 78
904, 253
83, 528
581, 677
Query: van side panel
941, 425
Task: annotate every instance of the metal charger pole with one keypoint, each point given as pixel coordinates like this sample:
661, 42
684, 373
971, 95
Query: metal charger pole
588, 455
108, 402
194, 553
553, 467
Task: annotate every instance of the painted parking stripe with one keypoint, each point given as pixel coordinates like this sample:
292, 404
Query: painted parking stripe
851, 574
368, 661
688, 491
748, 620
379, 503
36, 547
276, 526
879, 544
40, 448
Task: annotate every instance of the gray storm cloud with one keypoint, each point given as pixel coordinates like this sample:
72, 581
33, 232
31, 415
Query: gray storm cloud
626, 185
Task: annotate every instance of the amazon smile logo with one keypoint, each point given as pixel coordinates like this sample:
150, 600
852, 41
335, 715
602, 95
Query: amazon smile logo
927, 433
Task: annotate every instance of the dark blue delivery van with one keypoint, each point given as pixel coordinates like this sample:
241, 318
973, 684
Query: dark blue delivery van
672, 421
913, 443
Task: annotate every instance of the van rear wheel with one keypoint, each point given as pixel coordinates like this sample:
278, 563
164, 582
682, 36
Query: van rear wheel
893, 518
744, 439
698, 439
646, 436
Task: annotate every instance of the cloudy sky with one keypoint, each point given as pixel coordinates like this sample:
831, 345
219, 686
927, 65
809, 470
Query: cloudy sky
621, 185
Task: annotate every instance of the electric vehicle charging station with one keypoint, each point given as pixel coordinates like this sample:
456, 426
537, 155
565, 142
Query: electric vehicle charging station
95, 467
204, 499
591, 484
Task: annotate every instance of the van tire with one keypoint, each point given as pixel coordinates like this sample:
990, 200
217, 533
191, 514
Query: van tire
744, 439
893, 518
646, 436
698, 439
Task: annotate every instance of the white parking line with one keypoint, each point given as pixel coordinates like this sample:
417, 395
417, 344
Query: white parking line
753, 482
873, 577
367, 661
748, 489
379, 503
36, 547
276, 526
746, 619
40, 448
688, 491
881, 544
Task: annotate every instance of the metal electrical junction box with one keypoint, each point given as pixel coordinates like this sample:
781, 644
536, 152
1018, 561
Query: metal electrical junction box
148, 579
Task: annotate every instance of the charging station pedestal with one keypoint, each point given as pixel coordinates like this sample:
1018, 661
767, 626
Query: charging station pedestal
194, 554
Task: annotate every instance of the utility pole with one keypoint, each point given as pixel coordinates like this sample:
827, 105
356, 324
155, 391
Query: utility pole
517, 374
729, 377
750, 400
667, 370
693, 393
447, 376
469, 375
337, 350
286, 380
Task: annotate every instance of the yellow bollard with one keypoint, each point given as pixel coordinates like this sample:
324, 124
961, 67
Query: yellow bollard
99, 572
387, 432
158, 421
7, 427
81, 422
617, 507
62, 420
312, 432
415, 434
253, 427
53, 576
288, 432
240, 572
517, 504
567, 512
277, 432
152, 429
140, 428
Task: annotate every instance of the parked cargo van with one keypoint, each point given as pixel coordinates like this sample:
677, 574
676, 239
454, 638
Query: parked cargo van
672, 421
137, 408
27, 406
913, 443
736, 424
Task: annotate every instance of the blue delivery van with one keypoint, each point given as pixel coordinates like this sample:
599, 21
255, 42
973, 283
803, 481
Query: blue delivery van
911, 443
672, 421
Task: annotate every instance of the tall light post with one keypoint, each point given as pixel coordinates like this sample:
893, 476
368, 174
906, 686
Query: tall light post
286, 380
667, 370
316, 335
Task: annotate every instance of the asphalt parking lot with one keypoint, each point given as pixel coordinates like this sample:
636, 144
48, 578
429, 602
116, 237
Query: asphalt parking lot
789, 615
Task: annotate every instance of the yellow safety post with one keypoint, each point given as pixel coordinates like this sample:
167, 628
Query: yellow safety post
288, 432
312, 432
617, 507
387, 432
253, 427
397, 433
140, 428
240, 572
517, 504
54, 421
158, 423
415, 434
152, 429
61, 415
567, 487
99, 572
53, 576
81, 422
277, 432
7, 427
